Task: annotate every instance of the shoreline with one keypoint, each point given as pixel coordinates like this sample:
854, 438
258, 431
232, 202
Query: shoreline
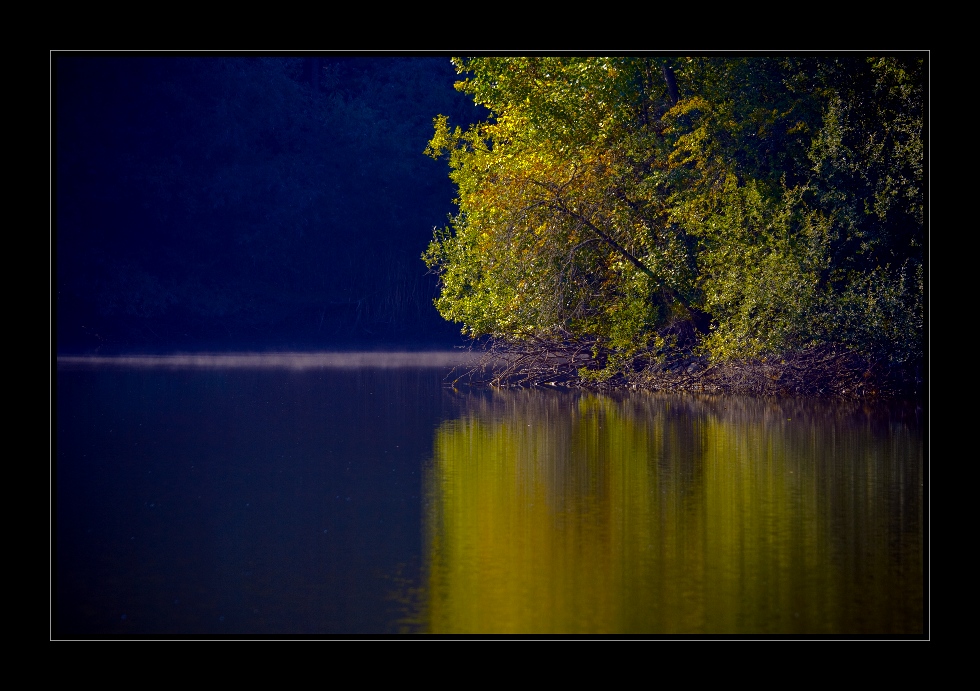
819, 372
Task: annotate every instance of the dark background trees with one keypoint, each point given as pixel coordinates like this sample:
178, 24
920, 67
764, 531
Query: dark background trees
247, 202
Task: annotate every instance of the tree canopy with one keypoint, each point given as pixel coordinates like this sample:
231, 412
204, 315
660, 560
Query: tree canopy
764, 204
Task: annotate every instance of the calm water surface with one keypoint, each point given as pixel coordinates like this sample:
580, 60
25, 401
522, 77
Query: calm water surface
302, 496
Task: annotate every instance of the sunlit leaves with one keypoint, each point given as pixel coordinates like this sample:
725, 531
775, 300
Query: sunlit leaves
610, 196
557, 203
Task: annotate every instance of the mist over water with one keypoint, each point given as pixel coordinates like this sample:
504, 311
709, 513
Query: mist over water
286, 360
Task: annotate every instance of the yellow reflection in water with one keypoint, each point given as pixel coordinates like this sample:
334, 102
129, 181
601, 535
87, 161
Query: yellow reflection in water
564, 514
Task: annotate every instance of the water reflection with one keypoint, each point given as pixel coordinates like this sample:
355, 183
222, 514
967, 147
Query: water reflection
226, 499
559, 513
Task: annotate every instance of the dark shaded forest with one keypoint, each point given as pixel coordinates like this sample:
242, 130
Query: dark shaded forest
227, 203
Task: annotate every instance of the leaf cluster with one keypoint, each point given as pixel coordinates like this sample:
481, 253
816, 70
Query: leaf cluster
774, 204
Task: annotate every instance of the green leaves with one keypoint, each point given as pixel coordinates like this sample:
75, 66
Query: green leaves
610, 197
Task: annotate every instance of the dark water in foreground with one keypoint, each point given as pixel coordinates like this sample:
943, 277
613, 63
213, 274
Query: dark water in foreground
198, 499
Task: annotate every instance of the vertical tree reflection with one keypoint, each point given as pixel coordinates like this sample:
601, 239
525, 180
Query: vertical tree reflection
562, 513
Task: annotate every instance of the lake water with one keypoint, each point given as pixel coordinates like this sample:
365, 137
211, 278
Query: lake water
353, 496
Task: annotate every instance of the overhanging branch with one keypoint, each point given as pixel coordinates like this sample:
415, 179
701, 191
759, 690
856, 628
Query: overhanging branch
560, 206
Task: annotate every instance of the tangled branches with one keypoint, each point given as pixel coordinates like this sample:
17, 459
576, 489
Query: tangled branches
815, 372
537, 361
572, 361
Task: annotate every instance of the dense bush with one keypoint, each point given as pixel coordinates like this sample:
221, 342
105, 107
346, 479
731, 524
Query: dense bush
766, 205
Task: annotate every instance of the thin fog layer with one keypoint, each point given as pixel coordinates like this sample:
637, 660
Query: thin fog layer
297, 361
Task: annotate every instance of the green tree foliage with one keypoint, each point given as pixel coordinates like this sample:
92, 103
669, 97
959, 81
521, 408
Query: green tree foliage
562, 224
616, 198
